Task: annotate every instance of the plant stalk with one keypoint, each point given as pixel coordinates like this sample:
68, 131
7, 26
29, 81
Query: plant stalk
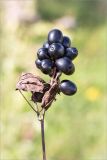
43, 139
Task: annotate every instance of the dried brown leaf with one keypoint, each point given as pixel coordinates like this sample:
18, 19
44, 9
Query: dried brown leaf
30, 82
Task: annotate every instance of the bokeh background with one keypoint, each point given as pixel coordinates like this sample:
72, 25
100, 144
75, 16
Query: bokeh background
75, 127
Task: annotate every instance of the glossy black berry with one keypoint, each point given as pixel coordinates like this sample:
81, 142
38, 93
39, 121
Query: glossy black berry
67, 87
46, 45
38, 63
56, 50
46, 66
55, 36
43, 53
66, 42
65, 65
71, 53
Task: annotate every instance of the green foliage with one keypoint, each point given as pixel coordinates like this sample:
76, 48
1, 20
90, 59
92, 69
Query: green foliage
89, 13
53, 9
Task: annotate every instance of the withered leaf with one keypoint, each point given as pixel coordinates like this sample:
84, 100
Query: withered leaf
50, 95
30, 82
40, 90
37, 97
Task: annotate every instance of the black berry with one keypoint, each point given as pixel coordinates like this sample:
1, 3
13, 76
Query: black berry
67, 87
66, 42
55, 36
71, 53
46, 45
43, 53
65, 65
56, 50
46, 66
38, 63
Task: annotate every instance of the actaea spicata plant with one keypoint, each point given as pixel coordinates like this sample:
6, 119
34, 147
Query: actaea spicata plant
53, 58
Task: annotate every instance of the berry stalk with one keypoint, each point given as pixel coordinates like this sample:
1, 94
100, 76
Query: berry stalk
43, 139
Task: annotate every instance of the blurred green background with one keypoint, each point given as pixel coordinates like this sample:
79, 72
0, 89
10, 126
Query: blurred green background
75, 127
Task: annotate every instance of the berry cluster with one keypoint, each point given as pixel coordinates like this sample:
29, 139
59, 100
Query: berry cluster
58, 54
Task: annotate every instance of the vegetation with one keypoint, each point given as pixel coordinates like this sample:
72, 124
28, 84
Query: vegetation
75, 127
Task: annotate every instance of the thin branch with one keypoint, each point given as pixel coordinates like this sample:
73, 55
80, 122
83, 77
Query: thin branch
29, 102
43, 139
